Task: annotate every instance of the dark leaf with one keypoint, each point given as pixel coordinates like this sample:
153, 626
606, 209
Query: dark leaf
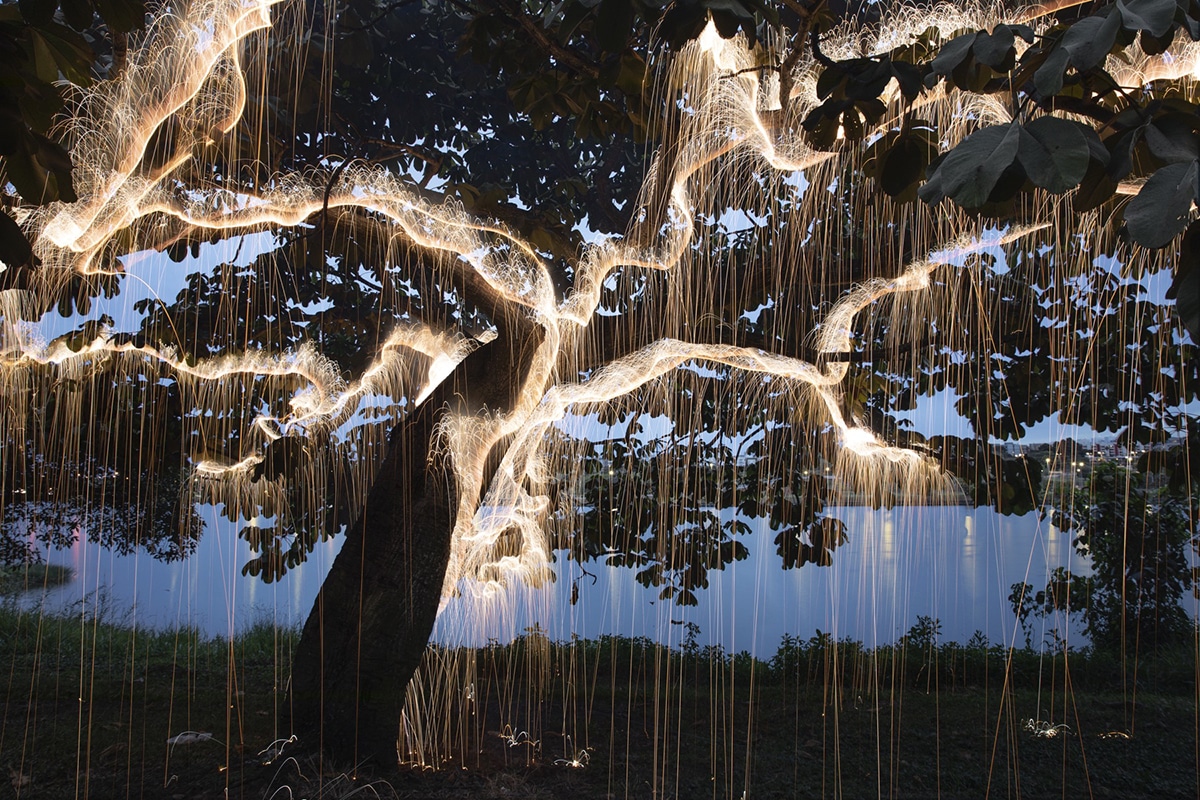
910, 79
901, 160
12, 130
123, 15
996, 49
282, 457
1054, 153
970, 171
1172, 138
1048, 80
730, 16
1185, 289
1096, 188
38, 12
953, 53
1121, 149
867, 79
1024, 31
15, 251
62, 51
1192, 24
1161, 209
830, 80
1156, 45
78, 13
1155, 16
681, 23
1091, 39
614, 22
41, 171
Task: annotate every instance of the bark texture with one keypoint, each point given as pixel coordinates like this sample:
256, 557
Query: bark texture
375, 611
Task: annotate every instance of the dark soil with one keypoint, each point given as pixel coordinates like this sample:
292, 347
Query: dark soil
88, 709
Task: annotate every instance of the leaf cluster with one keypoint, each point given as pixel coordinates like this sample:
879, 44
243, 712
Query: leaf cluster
42, 44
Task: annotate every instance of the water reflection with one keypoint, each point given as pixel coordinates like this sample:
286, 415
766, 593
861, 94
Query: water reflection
954, 563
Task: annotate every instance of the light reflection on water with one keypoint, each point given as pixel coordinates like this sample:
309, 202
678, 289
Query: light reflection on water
954, 563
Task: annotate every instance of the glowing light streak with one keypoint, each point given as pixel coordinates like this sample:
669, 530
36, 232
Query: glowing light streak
185, 70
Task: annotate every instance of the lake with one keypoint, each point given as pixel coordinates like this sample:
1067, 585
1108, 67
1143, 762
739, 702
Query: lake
953, 563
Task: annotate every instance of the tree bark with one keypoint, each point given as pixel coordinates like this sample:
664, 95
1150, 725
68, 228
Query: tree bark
375, 611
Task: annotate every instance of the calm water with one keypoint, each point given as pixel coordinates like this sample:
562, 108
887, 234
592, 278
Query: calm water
953, 563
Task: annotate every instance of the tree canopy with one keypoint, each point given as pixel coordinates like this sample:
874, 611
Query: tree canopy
372, 235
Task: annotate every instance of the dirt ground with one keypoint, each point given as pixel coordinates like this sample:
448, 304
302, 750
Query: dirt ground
93, 713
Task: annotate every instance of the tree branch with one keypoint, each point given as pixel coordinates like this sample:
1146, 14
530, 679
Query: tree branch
548, 45
378, 17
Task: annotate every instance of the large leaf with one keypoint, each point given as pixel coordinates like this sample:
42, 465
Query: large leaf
1090, 39
1161, 209
1054, 153
1172, 138
1048, 80
1155, 16
952, 53
1185, 289
996, 49
897, 161
78, 13
123, 15
969, 172
40, 170
38, 12
1084, 45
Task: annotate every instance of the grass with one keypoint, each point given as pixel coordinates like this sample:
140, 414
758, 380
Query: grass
29, 577
89, 707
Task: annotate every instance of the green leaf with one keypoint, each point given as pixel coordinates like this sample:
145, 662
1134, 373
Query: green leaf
1161, 209
970, 171
1054, 153
65, 52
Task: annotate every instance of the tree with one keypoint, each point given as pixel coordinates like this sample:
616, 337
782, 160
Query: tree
43, 42
305, 357
1135, 527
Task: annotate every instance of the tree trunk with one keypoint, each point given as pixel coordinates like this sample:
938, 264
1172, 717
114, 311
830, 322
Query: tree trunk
375, 611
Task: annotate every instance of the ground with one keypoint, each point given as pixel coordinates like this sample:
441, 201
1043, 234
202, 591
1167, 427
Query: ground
820, 720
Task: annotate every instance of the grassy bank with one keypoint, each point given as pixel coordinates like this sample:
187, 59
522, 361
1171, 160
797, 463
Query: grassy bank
89, 709
27, 577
